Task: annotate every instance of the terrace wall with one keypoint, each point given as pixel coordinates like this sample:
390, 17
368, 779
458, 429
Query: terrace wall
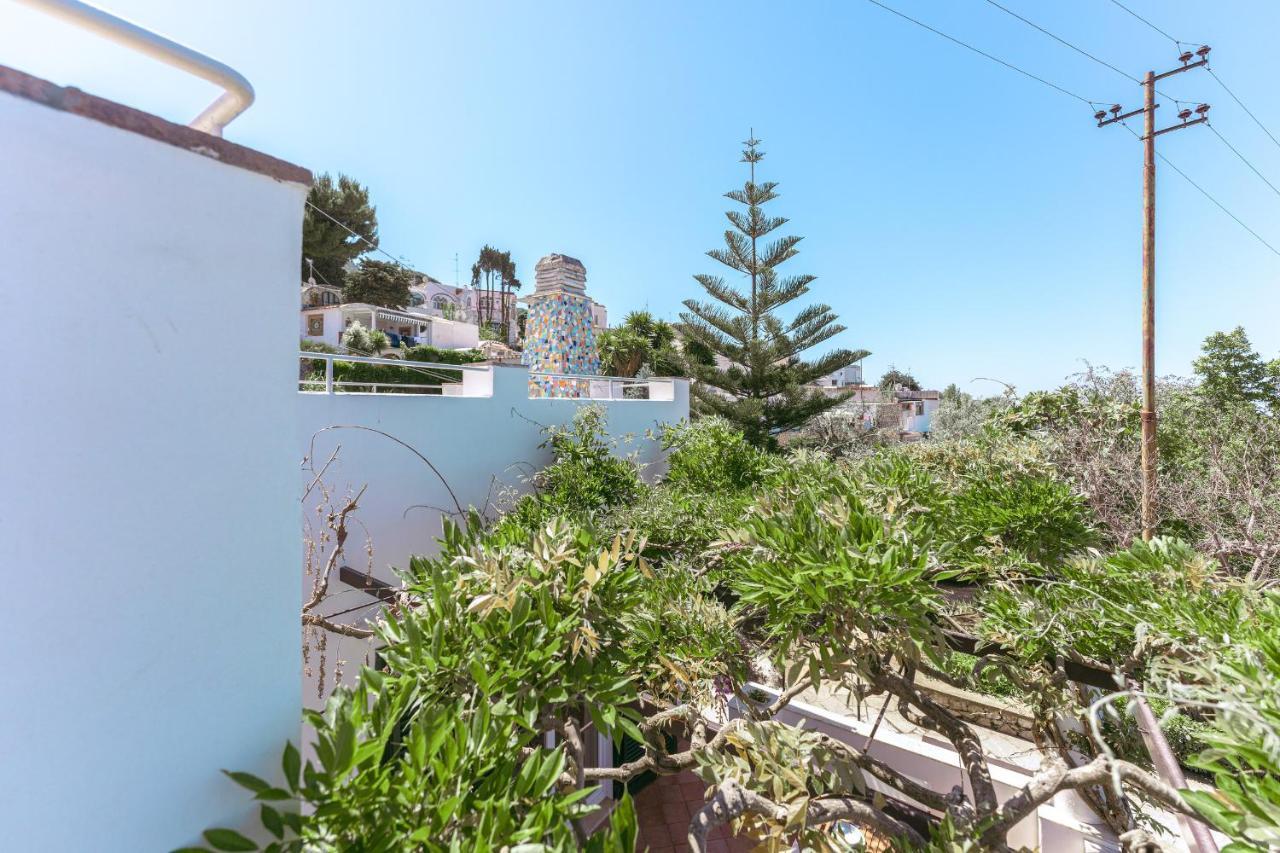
483, 446
149, 515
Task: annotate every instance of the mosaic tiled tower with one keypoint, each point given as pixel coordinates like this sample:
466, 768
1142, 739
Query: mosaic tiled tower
559, 337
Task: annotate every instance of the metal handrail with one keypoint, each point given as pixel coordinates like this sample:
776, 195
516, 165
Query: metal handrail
238, 94
602, 378
392, 362
330, 385
373, 386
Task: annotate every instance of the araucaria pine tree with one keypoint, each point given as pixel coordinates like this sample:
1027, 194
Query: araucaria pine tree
764, 387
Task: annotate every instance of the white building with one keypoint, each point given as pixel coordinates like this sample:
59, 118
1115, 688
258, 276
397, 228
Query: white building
845, 377
320, 294
471, 305
599, 316
464, 304
325, 323
157, 508
916, 410
907, 410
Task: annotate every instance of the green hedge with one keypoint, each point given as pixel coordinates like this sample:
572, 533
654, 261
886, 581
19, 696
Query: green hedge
385, 374
443, 356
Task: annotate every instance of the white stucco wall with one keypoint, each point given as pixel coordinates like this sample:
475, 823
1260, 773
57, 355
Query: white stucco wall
332, 325
454, 334
481, 445
922, 422
148, 515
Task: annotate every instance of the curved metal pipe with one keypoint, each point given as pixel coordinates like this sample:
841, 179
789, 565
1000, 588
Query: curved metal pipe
235, 100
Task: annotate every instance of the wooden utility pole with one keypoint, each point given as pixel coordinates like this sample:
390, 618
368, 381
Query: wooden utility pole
1149, 261
1149, 310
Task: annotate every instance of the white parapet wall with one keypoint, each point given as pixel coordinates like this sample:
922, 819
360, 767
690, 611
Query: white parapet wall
484, 444
149, 513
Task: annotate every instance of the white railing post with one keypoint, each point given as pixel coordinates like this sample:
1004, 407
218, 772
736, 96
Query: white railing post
328, 375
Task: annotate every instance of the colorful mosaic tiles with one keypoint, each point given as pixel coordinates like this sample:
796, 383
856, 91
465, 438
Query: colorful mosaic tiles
559, 338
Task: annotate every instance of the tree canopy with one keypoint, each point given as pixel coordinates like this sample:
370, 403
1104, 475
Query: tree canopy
379, 283
763, 386
328, 244
894, 378
1231, 371
494, 274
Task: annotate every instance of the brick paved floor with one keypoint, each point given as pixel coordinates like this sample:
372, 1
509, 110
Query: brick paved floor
663, 810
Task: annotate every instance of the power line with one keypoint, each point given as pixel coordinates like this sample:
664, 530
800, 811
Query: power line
1233, 95
983, 53
1149, 24
1169, 163
1244, 160
1083, 52
1206, 194
372, 245
1063, 41
1220, 205
1243, 107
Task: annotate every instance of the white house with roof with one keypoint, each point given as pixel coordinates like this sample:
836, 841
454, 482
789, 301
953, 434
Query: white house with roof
845, 377
465, 304
324, 317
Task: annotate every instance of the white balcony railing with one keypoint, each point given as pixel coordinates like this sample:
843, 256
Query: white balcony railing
612, 387
319, 374
447, 380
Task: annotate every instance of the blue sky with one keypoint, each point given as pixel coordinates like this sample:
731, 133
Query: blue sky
962, 220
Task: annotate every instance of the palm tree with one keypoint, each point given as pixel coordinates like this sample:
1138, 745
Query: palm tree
640, 340
494, 268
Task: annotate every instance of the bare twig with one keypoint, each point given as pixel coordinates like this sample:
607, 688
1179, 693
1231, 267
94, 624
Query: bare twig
458, 506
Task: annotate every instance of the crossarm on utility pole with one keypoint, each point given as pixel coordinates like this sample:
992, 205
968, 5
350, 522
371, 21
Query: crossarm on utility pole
1148, 111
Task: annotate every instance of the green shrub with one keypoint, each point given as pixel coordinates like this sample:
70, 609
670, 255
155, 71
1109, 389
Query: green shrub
961, 415
1157, 597
1037, 518
976, 511
426, 352
1243, 688
311, 371
441, 748
357, 339
309, 345
678, 525
584, 477
989, 681
386, 374
812, 564
908, 497
711, 454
